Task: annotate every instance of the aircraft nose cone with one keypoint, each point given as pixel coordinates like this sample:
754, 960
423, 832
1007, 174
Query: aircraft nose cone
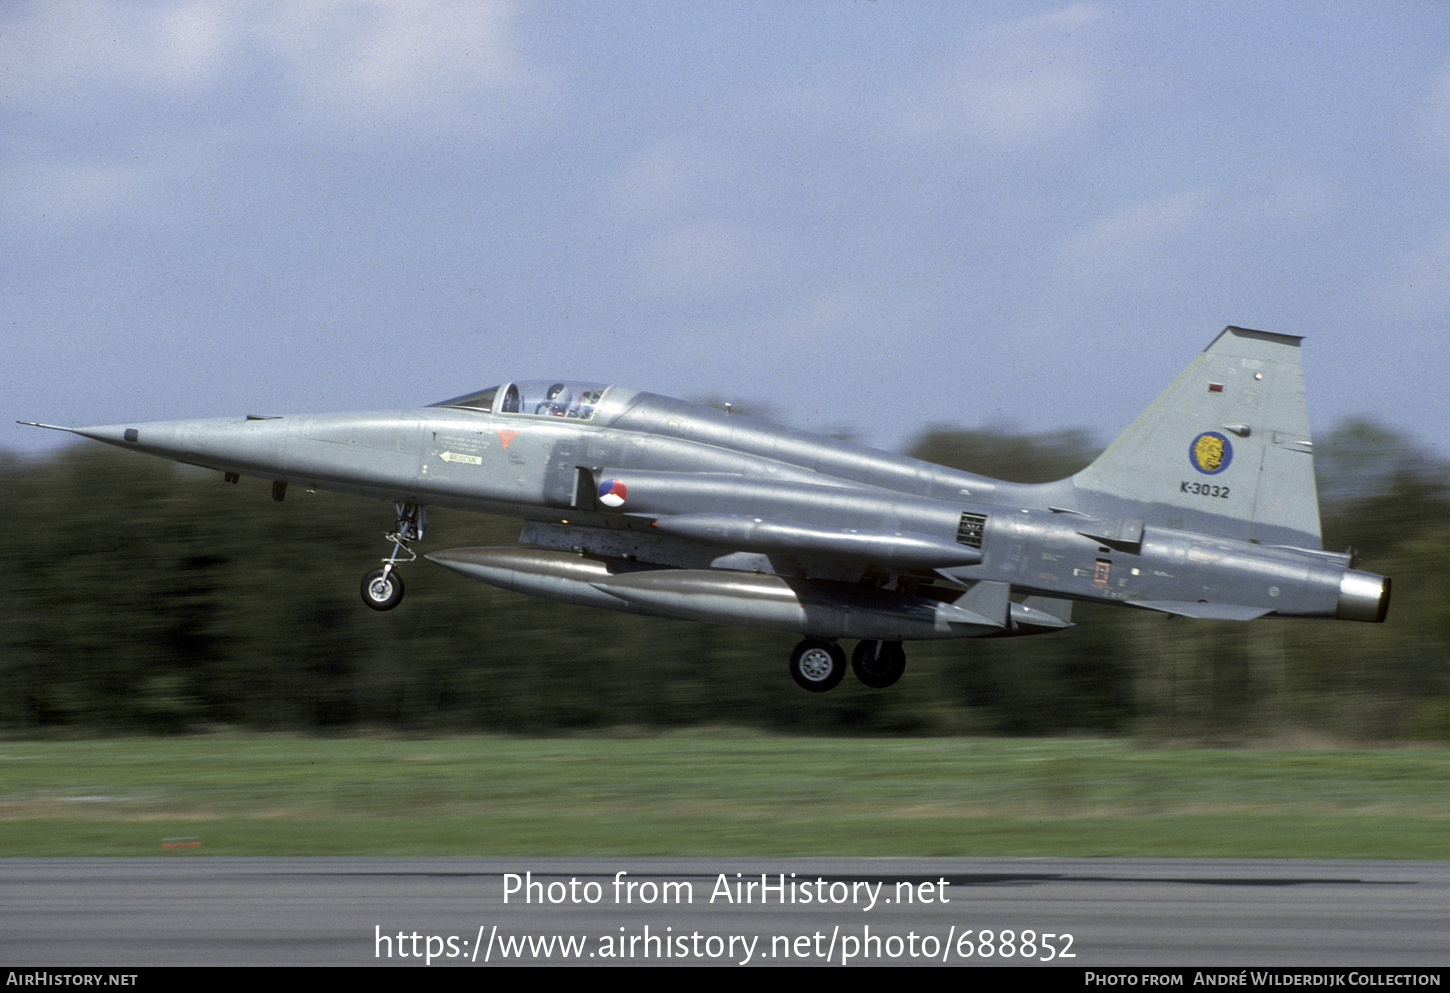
232, 444
111, 434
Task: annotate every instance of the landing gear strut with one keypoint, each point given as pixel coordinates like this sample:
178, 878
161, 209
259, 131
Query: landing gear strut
382, 589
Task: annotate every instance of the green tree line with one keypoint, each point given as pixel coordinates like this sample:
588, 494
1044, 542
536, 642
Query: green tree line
149, 597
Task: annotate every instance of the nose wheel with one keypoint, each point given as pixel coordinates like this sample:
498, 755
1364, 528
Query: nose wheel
382, 589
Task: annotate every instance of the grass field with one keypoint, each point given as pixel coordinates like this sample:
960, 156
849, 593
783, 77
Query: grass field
715, 794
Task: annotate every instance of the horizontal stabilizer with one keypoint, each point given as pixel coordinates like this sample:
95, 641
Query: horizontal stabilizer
1043, 612
985, 603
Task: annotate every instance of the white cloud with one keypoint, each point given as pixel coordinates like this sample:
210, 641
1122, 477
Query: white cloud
123, 108
430, 59
824, 320
712, 255
61, 192
1196, 222
698, 218
1286, 202
418, 62
675, 178
1017, 83
752, 159
1121, 242
62, 50
1416, 286
1431, 130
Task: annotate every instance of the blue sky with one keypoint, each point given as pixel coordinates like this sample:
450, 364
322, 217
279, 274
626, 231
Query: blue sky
866, 216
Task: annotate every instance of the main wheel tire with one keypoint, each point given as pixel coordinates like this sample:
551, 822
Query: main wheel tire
817, 665
878, 664
382, 589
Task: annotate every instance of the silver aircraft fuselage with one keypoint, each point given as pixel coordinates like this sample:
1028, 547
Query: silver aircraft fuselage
1205, 507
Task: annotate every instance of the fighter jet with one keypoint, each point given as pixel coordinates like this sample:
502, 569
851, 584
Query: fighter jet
1204, 507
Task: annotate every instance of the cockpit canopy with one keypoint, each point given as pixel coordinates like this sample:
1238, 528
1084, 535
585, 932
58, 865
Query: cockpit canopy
540, 397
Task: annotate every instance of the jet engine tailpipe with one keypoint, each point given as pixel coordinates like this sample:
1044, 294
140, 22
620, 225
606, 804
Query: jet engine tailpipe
1363, 596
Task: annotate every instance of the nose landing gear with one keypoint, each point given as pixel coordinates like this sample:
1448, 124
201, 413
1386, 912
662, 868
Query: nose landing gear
382, 589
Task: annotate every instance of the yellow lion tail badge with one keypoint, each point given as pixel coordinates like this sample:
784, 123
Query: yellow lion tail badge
1210, 453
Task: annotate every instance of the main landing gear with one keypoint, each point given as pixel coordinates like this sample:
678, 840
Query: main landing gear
878, 664
382, 589
819, 665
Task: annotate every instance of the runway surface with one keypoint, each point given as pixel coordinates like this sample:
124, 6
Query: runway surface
197, 910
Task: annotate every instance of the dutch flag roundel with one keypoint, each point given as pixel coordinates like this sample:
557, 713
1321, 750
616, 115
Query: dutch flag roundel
612, 492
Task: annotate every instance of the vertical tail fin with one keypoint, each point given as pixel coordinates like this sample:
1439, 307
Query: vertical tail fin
1224, 450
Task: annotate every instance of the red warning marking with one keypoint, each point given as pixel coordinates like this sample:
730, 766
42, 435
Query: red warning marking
506, 436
